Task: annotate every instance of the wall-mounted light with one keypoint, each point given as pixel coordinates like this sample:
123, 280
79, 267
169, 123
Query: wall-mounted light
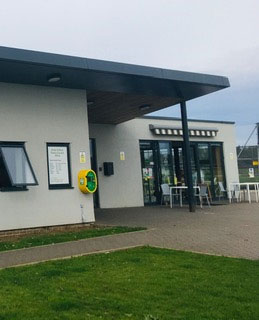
55, 77
144, 107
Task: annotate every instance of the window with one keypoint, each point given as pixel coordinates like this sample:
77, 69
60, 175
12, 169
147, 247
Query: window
16, 172
59, 172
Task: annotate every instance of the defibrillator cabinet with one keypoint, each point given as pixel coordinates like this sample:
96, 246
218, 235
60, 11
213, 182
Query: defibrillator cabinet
87, 181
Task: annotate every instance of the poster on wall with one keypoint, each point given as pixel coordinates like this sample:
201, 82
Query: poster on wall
82, 157
58, 165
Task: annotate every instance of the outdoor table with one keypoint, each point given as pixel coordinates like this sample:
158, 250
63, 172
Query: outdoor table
247, 185
181, 189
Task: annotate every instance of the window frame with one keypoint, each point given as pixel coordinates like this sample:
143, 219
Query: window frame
16, 185
60, 186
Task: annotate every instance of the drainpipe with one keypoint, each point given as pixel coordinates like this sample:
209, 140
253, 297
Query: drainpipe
187, 157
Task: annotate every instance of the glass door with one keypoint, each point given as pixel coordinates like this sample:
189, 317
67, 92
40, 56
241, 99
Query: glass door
217, 167
149, 172
177, 156
179, 166
211, 166
166, 165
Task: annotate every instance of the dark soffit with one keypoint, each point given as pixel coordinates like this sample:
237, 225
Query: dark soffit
117, 90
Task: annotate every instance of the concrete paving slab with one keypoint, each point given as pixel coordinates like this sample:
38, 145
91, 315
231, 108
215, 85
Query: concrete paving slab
230, 230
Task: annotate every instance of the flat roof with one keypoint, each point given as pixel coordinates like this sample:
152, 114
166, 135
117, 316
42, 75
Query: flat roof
117, 91
189, 120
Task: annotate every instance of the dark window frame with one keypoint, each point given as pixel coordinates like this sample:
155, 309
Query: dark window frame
16, 186
94, 166
60, 186
153, 144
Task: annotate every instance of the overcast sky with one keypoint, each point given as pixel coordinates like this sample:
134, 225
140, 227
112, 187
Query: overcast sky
218, 37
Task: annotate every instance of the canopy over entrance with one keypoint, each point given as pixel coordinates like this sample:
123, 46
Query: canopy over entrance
116, 92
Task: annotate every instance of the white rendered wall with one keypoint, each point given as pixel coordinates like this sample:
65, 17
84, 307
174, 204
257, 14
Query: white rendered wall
38, 115
124, 188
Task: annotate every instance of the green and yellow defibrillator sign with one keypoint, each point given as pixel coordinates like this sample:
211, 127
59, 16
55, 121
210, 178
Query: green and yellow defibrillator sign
87, 181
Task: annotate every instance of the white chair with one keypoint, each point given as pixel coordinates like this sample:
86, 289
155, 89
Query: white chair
203, 194
234, 192
222, 190
165, 191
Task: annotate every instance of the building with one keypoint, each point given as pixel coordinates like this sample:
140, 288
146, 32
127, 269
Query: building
47, 103
148, 151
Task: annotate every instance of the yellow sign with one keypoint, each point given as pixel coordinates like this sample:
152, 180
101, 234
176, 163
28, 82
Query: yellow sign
255, 163
122, 155
82, 157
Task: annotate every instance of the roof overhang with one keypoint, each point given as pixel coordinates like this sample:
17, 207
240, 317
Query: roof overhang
118, 92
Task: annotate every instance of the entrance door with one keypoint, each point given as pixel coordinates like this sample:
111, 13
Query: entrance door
179, 166
211, 165
165, 163
217, 168
94, 167
149, 172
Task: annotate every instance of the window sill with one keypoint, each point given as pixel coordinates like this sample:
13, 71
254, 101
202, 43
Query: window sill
13, 189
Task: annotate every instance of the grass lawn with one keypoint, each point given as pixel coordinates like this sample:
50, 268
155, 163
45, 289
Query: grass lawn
49, 238
142, 283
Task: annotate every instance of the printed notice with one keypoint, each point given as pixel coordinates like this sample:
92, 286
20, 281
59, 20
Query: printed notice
82, 156
58, 165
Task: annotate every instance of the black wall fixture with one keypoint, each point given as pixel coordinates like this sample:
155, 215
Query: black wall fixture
108, 169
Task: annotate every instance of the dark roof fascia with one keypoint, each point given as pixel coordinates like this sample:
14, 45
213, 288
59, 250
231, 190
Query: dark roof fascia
72, 62
189, 120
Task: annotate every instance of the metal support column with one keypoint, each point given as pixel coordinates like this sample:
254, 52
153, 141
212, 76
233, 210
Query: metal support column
187, 157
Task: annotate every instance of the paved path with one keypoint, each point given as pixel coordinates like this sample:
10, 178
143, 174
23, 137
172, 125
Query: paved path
73, 248
231, 230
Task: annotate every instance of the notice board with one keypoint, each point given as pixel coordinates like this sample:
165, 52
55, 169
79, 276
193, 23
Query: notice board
58, 165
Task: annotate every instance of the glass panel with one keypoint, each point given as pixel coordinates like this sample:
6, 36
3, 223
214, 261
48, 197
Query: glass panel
178, 165
203, 152
194, 167
149, 173
165, 163
4, 177
18, 166
218, 169
177, 154
204, 161
148, 176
